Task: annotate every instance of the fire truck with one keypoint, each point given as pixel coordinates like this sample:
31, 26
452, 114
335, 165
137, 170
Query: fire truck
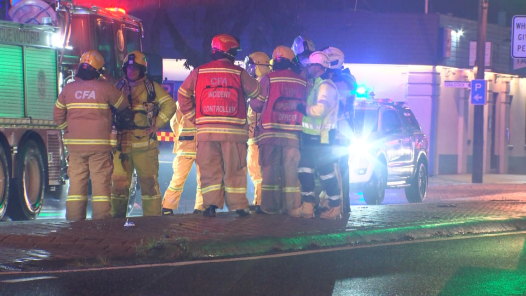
40, 46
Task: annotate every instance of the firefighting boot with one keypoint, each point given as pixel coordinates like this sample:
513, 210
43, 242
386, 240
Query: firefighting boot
167, 212
197, 212
256, 209
296, 213
332, 213
210, 211
307, 210
334, 210
242, 213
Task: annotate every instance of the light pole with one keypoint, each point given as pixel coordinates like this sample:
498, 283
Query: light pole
478, 120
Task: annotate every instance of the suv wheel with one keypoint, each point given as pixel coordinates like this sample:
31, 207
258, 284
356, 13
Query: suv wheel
416, 192
374, 192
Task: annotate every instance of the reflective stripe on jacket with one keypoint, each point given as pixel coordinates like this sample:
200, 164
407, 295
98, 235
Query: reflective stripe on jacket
187, 97
287, 91
219, 99
83, 111
322, 109
184, 134
140, 138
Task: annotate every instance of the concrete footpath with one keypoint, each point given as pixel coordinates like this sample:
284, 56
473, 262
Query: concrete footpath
454, 207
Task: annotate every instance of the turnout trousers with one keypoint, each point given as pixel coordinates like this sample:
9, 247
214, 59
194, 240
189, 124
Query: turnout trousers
317, 160
223, 167
181, 168
254, 171
83, 166
146, 164
280, 187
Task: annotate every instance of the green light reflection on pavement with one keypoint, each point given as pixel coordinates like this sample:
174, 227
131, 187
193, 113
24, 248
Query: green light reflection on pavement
473, 281
315, 241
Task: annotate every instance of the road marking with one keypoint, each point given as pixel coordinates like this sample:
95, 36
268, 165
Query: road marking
36, 278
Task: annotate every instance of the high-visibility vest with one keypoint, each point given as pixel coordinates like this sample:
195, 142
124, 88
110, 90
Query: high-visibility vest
218, 93
287, 90
319, 126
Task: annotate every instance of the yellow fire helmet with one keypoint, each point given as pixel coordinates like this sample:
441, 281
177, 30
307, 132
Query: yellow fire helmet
260, 58
282, 52
92, 58
135, 58
261, 63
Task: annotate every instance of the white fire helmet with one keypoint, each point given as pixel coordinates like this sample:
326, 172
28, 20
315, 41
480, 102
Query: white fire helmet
335, 56
319, 57
301, 45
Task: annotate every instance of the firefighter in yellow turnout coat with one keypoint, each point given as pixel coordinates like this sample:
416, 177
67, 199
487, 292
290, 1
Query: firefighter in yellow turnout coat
152, 107
83, 111
185, 151
257, 65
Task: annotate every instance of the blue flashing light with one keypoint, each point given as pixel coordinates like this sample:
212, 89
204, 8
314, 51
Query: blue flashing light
362, 91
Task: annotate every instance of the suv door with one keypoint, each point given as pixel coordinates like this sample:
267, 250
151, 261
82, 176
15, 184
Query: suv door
395, 140
417, 141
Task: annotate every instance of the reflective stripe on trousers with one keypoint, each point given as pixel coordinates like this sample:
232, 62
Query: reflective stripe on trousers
280, 189
146, 164
223, 167
254, 170
82, 167
318, 158
182, 166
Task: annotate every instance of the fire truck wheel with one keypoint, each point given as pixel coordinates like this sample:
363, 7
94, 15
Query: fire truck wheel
28, 191
4, 182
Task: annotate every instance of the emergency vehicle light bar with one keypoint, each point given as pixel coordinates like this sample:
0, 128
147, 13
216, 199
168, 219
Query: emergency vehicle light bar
116, 9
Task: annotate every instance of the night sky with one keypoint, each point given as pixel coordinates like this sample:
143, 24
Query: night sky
460, 8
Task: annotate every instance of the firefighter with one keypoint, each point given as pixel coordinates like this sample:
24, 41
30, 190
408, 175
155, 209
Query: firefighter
345, 83
302, 48
319, 124
151, 108
83, 111
257, 65
283, 93
336, 59
217, 91
185, 151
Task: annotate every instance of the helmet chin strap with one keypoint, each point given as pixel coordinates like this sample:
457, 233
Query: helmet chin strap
141, 76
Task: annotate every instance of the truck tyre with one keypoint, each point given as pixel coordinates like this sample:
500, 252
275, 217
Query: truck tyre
374, 191
416, 192
4, 182
28, 192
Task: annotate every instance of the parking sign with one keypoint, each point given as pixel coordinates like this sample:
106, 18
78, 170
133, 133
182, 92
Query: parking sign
478, 92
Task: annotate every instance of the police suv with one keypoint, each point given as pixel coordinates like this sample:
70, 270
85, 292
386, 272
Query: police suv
388, 150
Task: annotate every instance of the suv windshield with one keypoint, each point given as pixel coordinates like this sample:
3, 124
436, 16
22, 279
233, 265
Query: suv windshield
365, 121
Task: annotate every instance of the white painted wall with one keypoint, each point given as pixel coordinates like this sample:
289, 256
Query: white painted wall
423, 89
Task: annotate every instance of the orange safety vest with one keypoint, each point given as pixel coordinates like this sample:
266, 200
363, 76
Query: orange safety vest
218, 93
287, 91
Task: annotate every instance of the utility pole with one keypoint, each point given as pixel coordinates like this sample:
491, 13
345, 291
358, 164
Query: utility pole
478, 120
